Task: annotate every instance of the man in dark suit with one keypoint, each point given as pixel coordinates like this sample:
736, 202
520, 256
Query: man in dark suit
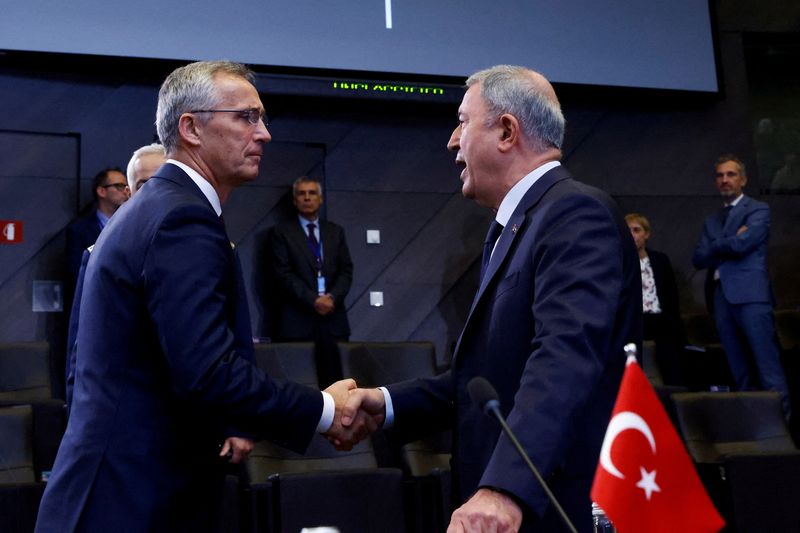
733, 247
313, 270
559, 298
110, 190
165, 344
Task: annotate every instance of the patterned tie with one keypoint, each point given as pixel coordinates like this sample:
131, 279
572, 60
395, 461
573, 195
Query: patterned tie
488, 246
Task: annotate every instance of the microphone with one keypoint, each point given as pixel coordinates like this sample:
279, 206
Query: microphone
484, 396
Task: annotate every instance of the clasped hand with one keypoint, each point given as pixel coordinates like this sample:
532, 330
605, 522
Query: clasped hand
359, 412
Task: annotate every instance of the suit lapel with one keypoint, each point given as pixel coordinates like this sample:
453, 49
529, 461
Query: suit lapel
511, 232
298, 233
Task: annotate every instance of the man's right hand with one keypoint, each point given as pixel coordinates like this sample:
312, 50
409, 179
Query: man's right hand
360, 424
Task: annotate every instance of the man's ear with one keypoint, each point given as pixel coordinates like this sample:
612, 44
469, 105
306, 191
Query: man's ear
190, 129
509, 132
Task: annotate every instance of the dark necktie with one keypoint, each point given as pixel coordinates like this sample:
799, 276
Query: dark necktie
313, 243
725, 212
491, 238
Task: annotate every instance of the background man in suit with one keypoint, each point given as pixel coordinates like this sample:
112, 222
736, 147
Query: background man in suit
733, 247
143, 164
559, 297
165, 341
313, 269
110, 190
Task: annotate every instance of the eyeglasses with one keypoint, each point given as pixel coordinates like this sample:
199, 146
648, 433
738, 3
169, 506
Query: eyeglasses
119, 186
252, 115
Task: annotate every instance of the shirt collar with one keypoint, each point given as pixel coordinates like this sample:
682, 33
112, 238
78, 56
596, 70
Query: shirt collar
514, 196
102, 218
205, 187
736, 201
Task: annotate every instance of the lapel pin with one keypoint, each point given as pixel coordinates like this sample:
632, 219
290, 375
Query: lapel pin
513, 228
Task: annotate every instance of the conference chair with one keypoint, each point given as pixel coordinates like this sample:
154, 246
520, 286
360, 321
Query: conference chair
705, 361
744, 455
25, 379
286, 491
20, 493
426, 462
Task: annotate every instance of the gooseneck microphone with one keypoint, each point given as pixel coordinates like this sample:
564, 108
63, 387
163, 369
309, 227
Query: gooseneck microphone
484, 396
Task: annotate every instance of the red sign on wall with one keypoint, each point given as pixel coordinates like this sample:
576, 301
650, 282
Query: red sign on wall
10, 231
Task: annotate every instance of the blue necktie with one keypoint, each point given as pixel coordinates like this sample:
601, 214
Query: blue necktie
495, 229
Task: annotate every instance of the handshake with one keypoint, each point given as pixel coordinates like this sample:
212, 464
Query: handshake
359, 412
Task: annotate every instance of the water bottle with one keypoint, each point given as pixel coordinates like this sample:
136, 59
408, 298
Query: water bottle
600, 521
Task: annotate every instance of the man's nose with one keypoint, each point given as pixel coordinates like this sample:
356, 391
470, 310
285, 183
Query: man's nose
455, 139
262, 133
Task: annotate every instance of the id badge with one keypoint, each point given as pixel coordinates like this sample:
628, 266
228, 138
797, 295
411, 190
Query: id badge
320, 284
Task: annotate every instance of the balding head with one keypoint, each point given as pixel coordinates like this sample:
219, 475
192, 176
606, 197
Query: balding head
528, 96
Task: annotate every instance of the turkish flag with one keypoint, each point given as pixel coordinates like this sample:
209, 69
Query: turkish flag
645, 480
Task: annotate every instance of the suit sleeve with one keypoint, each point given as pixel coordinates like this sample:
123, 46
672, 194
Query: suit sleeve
189, 274
757, 232
289, 278
704, 256
576, 260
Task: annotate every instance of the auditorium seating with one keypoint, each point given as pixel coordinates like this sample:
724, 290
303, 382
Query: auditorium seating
20, 493
706, 364
744, 455
286, 491
426, 462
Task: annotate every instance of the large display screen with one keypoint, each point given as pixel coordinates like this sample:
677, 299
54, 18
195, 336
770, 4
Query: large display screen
662, 44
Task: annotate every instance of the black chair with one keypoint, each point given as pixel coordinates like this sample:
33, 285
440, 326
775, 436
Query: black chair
20, 494
733, 436
426, 462
25, 379
705, 362
650, 365
285, 491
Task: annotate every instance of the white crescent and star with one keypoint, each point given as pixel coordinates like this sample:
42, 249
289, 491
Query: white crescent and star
620, 422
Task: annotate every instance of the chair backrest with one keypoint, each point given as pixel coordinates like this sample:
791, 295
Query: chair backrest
295, 361
288, 360
16, 444
373, 364
649, 364
701, 330
787, 325
25, 372
716, 424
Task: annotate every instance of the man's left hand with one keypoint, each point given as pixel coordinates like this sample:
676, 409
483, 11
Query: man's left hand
239, 447
487, 510
324, 304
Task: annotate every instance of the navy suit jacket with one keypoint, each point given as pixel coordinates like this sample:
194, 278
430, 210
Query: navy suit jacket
295, 272
164, 343
81, 234
741, 259
560, 298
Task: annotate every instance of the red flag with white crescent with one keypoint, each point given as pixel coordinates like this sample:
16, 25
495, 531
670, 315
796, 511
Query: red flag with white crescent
645, 479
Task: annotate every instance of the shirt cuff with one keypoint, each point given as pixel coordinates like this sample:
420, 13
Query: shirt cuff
387, 400
328, 411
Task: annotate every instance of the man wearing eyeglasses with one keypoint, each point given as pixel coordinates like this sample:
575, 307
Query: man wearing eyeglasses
165, 343
110, 190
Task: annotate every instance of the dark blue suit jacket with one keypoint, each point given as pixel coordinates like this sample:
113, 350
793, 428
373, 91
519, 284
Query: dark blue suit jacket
81, 234
163, 363
560, 298
295, 271
741, 259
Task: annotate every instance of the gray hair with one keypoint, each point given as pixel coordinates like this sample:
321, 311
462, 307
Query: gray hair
305, 179
191, 87
154, 149
510, 89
